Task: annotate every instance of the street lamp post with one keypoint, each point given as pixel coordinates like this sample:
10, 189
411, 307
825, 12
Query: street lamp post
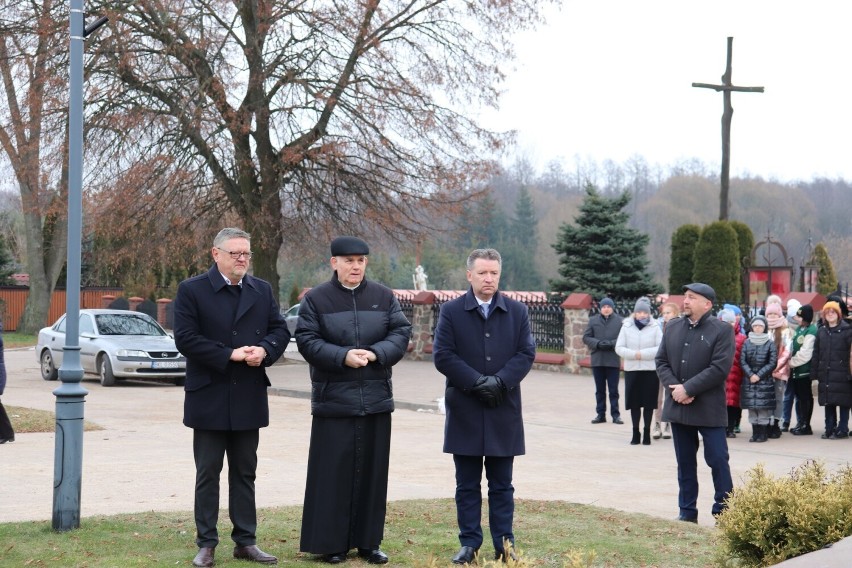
70, 396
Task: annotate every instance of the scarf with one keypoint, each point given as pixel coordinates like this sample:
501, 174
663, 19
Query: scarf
758, 338
640, 323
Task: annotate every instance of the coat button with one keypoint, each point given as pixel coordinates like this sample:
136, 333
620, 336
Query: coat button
233, 332
257, 332
488, 357
487, 334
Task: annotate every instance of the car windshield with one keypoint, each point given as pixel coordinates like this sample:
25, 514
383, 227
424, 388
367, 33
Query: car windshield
127, 324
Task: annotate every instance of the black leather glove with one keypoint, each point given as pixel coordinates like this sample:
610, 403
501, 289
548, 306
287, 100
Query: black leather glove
489, 390
605, 345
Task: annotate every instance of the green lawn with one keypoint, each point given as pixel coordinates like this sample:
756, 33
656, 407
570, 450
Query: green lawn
417, 533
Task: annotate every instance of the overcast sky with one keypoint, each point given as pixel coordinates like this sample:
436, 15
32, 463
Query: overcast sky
609, 79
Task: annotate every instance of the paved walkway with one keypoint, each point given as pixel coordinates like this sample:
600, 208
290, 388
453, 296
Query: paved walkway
142, 459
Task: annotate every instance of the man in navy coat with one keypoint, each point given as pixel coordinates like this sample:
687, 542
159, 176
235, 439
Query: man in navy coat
228, 325
484, 347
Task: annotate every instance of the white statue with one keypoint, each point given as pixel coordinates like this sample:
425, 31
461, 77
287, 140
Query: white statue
420, 278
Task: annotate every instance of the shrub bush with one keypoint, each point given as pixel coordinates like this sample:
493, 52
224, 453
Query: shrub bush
770, 519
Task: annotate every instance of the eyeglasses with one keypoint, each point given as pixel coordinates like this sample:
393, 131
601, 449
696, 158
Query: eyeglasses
237, 255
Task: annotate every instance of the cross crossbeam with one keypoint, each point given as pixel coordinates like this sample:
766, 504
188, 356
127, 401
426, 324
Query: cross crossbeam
728, 112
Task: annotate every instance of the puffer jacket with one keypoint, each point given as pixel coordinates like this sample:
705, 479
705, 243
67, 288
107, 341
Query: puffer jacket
646, 341
333, 320
735, 375
830, 364
758, 360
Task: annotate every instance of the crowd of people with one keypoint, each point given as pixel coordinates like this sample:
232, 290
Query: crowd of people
785, 361
695, 373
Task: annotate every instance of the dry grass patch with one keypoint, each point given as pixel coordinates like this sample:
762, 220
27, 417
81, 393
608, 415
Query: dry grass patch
29, 420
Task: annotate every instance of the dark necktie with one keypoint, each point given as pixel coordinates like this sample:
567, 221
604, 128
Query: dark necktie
483, 309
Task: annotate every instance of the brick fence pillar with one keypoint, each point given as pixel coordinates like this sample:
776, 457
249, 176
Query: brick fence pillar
106, 300
576, 308
421, 326
161, 310
134, 302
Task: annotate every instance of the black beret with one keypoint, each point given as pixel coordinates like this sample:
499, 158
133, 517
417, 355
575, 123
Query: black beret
701, 290
348, 246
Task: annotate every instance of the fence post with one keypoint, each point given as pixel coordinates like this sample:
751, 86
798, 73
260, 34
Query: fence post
421, 325
134, 302
106, 300
161, 310
576, 308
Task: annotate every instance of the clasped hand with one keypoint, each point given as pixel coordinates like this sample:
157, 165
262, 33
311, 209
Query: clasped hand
356, 358
489, 390
251, 355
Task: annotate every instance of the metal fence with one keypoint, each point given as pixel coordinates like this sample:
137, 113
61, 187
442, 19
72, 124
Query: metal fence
547, 319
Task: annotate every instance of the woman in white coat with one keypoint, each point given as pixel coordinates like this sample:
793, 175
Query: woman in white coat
637, 345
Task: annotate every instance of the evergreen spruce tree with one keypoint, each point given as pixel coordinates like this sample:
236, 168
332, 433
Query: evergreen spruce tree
716, 261
601, 255
682, 260
827, 279
521, 242
483, 224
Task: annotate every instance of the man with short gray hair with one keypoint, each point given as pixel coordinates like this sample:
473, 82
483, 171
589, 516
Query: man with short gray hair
229, 327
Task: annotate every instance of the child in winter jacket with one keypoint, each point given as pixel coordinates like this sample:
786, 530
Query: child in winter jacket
758, 360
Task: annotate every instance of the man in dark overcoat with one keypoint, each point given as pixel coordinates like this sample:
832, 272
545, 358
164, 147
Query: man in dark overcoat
600, 337
229, 327
693, 363
484, 347
351, 331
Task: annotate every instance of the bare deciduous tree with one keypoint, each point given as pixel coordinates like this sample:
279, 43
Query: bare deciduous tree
33, 137
306, 117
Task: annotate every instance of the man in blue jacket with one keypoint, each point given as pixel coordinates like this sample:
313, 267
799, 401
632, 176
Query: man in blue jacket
229, 327
484, 347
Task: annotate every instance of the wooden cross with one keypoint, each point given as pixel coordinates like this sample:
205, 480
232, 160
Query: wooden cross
726, 87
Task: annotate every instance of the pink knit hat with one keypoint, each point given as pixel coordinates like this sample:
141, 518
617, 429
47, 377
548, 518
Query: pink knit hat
775, 316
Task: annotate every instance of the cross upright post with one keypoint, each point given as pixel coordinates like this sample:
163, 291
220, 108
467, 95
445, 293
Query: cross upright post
728, 112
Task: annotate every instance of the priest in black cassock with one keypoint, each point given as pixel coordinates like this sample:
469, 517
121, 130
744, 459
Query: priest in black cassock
351, 331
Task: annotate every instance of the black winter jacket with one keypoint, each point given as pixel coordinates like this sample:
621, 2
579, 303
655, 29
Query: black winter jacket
333, 320
830, 364
758, 360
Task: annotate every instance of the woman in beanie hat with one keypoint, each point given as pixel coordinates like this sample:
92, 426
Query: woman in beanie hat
782, 338
830, 366
758, 360
637, 344
802, 350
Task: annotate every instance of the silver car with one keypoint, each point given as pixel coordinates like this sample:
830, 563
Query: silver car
114, 344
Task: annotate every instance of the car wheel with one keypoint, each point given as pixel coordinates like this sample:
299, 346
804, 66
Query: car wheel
105, 371
48, 371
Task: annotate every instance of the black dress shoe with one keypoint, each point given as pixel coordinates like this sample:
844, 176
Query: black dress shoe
254, 554
465, 555
4, 440
617, 420
334, 558
599, 419
686, 519
204, 558
373, 555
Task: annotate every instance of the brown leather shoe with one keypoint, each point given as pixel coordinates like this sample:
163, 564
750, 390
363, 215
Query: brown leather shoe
204, 558
254, 554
